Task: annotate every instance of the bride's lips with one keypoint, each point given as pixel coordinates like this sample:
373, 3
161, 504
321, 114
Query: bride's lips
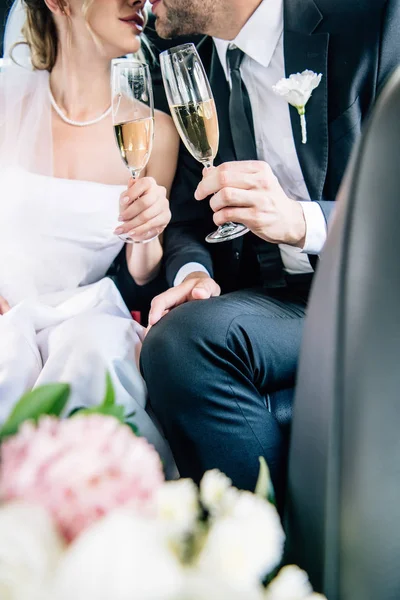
136, 21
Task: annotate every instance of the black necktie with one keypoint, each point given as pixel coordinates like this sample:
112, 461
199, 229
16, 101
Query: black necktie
242, 129
240, 115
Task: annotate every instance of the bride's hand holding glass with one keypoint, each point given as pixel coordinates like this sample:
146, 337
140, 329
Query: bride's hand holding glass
144, 210
133, 118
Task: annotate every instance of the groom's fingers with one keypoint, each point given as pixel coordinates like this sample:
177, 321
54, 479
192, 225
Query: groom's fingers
205, 288
164, 302
240, 174
194, 287
149, 326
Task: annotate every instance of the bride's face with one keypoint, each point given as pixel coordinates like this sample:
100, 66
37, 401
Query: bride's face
115, 25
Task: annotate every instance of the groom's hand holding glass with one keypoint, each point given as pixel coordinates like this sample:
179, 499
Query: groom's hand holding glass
144, 210
243, 192
248, 192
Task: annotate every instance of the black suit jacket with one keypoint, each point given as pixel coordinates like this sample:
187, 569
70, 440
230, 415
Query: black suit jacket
355, 44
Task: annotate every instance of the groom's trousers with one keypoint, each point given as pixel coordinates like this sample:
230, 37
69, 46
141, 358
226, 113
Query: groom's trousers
212, 368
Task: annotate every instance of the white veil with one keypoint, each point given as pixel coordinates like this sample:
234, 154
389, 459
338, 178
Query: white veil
25, 109
13, 32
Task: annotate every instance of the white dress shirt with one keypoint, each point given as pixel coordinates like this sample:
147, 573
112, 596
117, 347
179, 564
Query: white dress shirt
261, 40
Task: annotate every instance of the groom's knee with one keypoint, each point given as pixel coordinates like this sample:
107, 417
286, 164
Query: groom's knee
173, 348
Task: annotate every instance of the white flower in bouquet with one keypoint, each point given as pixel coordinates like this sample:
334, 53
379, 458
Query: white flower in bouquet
30, 548
297, 90
216, 492
122, 557
177, 505
291, 583
245, 545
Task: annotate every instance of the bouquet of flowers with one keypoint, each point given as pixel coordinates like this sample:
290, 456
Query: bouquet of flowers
85, 514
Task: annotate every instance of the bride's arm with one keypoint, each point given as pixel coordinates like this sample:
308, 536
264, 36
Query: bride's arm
144, 259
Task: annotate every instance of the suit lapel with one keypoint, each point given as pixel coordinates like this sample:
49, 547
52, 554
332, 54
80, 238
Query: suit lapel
306, 51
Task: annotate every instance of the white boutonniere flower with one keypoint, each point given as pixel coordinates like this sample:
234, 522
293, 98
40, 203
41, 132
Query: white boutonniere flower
297, 90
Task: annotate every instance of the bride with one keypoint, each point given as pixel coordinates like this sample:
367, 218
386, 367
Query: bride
62, 187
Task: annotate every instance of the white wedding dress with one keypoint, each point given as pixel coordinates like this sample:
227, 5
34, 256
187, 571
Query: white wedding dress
67, 321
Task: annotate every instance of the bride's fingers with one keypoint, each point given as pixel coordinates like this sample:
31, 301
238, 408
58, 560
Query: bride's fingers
152, 228
135, 191
141, 219
135, 209
152, 197
4, 306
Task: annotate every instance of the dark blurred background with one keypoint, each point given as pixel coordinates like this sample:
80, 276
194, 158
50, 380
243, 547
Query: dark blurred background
4, 9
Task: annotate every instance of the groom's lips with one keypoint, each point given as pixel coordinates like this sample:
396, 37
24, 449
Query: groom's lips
154, 4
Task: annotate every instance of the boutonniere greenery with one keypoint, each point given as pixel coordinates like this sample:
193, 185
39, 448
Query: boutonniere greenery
297, 89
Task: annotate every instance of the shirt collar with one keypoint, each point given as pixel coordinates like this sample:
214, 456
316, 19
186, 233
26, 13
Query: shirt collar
260, 35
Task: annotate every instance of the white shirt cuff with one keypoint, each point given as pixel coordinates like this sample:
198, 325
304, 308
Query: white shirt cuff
186, 270
316, 228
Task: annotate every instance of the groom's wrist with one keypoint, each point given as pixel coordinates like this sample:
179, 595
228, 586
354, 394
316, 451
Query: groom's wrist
197, 275
188, 270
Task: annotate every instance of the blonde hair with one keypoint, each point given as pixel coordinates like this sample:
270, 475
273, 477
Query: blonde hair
40, 33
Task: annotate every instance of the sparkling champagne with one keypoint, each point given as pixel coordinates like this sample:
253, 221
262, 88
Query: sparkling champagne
135, 142
197, 124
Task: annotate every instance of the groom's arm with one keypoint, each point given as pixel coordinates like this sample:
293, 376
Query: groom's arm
185, 249
136, 297
187, 258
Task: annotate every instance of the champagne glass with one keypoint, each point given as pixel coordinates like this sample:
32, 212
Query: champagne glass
193, 109
133, 117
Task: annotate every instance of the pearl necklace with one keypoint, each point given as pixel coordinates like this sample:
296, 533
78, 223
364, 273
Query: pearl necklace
77, 123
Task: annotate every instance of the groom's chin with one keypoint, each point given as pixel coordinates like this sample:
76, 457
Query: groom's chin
165, 29
162, 31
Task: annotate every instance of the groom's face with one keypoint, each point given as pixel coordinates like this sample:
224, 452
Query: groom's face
183, 17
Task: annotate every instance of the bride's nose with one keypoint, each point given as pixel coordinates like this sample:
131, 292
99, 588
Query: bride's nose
137, 4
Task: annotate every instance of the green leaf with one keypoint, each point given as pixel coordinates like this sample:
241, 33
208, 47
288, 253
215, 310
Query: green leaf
134, 428
46, 400
112, 411
109, 398
264, 487
108, 407
271, 576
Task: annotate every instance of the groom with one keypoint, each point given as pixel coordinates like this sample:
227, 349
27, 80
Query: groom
220, 360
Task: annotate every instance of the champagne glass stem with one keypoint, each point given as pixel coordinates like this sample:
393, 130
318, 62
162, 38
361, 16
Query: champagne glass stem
193, 109
229, 227
135, 173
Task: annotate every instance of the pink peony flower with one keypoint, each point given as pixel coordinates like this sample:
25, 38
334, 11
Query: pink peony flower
79, 469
